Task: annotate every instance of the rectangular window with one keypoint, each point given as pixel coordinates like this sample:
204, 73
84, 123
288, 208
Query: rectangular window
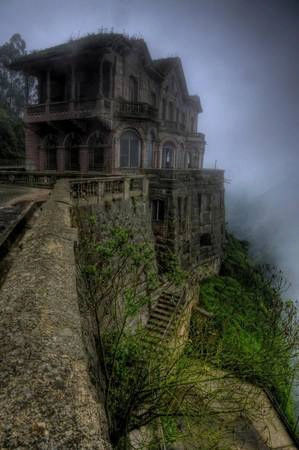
158, 210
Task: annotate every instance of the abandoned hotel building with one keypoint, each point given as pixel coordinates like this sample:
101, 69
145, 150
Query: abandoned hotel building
106, 108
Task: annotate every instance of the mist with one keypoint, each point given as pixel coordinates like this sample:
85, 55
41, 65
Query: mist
241, 58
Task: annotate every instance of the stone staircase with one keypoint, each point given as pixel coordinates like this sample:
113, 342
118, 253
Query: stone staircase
165, 314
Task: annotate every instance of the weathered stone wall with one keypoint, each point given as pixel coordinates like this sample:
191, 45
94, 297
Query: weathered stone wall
192, 223
47, 400
132, 214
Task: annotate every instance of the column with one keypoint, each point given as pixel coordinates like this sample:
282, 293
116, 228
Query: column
84, 158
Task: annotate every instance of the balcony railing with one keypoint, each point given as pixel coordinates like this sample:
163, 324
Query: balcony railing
109, 188
66, 110
136, 109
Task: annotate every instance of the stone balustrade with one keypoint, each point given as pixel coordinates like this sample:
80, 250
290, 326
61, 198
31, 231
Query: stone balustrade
109, 188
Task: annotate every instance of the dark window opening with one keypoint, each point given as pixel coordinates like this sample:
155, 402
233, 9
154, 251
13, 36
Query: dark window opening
158, 210
133, 89
96, 153
58, 87
50, 145
205, 240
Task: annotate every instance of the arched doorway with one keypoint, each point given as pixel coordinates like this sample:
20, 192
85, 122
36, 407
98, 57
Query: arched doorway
96, 150
50, 146
72, 152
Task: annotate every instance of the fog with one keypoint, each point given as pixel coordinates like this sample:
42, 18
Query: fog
241, 58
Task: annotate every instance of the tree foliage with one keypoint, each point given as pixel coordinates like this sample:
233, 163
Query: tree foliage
154, 392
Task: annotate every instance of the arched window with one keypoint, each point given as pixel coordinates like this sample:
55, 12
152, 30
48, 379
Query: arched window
133, 89
129, 149
168, 156
72, 152
107, 79
50, 145
150, 150
96, 153
187, 161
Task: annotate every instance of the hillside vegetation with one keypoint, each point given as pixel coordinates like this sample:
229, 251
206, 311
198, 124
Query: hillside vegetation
254, 331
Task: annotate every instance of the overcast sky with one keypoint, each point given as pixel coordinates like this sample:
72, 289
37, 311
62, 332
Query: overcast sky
239, 56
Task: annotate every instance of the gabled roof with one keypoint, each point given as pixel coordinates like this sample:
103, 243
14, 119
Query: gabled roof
166, 65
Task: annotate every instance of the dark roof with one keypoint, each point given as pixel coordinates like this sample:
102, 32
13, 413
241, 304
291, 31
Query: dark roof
119, 42
92, 41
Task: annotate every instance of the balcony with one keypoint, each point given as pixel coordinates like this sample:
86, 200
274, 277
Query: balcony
68, 110
136, 110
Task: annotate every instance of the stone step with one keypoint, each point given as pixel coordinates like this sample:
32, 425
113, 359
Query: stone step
159, 327
161, 312
164, 307
162, 317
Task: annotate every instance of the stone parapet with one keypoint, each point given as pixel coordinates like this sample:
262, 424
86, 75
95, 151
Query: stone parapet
47, 400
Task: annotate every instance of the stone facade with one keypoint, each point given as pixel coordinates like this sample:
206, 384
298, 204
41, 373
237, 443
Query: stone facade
106, 107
